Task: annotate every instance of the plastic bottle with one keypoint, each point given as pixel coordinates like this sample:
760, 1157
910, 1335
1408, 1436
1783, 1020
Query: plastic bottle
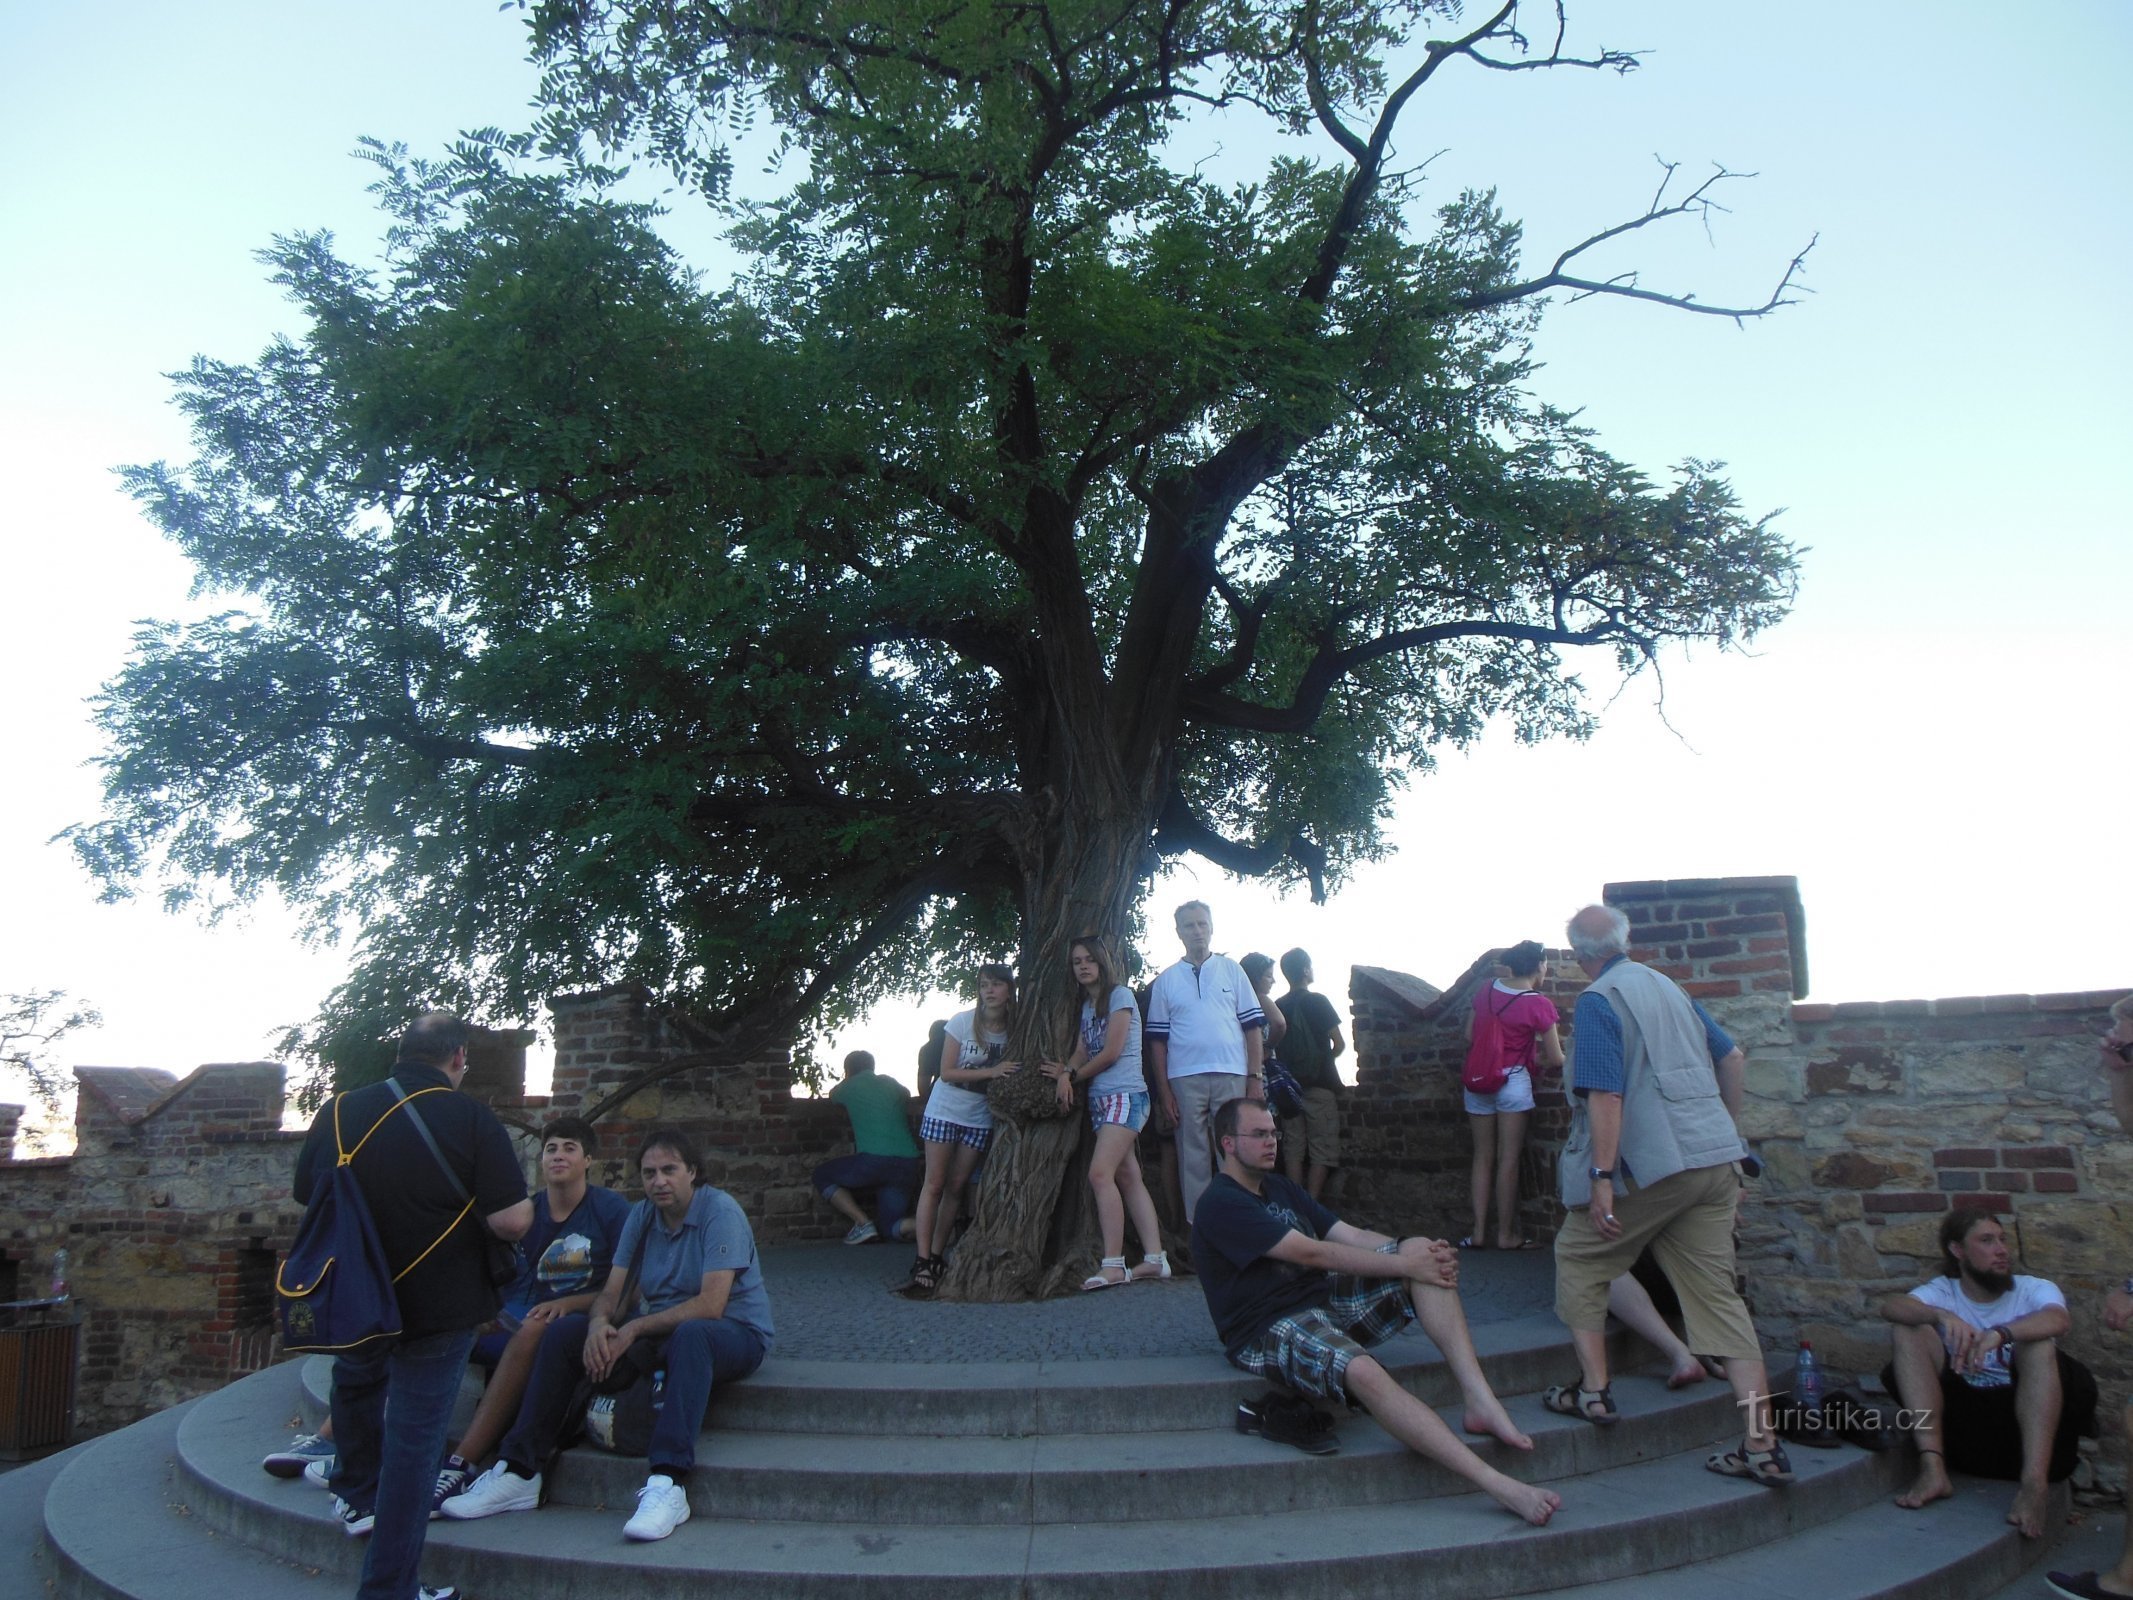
1807, 1380
59, 1274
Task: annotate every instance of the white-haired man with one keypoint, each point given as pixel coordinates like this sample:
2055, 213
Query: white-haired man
1203, 1045
1650, 1163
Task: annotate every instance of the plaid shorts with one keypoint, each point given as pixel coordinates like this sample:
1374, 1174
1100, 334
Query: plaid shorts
938, 1130
1309, 1350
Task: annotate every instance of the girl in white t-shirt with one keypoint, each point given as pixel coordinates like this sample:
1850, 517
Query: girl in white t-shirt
1107, 1056
957, 1125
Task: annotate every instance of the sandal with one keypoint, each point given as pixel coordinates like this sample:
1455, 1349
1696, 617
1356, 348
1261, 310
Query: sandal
925, 1278
1472, 1243
1155, 1264
1770, 1468
1101, 1278
1596, 1406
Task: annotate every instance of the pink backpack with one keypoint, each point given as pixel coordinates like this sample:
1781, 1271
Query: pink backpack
1486, 1070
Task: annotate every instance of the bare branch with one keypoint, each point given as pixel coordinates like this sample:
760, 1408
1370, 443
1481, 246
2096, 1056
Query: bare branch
1697, 203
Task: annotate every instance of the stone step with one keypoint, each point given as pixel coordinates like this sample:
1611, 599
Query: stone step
1044, 1478
1958, 1549
1016, 1399
115, 1529
1615, 1523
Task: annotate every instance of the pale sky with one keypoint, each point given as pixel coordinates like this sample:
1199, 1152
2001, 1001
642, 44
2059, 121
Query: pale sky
1933, 743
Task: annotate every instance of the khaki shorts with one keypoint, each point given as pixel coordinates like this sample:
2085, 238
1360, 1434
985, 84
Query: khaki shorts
1319, 1127
1687, 1220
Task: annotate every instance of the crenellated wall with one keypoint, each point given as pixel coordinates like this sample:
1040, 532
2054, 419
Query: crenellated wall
1872, 1120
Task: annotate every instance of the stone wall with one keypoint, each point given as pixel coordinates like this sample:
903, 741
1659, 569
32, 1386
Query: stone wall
758, 1142
1872, 1121
172, 1210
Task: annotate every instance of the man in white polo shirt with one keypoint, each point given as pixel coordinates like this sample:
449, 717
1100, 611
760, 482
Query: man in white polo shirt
1202, 1044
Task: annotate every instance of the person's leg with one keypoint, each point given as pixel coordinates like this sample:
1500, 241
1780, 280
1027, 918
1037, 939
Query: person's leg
1694, 1248
1140, 1206
1914, 1374
699, 1356
962, 1162
358, 1418
900, 1178
558, 1365
424, 1382
1322, 1138
2119, 1579
1510, 1140
938, 1152
1443, 1317
1198, 1098
1424, 1432
2039, 1397
1294, 1132
835, 1180
1481, 1178
1114, 1143
500, 1400
1631, 1305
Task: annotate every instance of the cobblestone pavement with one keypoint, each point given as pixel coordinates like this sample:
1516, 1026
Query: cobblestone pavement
832, 1303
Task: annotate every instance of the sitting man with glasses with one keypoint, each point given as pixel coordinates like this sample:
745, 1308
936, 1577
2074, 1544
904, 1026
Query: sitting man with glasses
1297, 1295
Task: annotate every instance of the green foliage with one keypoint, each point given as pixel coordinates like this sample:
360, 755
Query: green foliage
1028, 503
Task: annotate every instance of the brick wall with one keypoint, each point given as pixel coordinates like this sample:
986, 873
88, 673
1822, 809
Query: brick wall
758, 1142
1872, 1121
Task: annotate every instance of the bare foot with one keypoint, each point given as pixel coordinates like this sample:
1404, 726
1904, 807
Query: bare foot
1526, 1500
2027, 1512
1931, 1484
1495, 1422
1686, 1371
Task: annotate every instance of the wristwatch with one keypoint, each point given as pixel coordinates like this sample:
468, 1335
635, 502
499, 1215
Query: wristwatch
1595, 1174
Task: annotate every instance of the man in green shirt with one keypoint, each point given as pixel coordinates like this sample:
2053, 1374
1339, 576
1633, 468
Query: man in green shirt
887, 1160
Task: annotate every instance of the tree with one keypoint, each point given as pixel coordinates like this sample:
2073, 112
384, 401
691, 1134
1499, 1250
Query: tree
32, 1024
1030, 509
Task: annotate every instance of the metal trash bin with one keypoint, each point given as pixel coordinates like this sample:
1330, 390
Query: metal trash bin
40, 1344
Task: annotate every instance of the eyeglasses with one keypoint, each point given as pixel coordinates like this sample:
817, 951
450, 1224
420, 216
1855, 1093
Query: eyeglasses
1258, 1133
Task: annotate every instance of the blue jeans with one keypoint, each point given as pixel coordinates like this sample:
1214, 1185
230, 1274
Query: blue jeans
392, 1410
697, 1356
894, 1179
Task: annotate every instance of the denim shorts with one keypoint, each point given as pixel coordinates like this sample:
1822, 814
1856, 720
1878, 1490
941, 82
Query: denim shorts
1128, 1108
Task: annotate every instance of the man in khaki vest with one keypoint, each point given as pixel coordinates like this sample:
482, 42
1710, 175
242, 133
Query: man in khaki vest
1650, 1163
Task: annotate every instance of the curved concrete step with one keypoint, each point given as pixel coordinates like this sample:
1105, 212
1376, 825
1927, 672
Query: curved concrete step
1619, 1522
1044, 1478
115, 1529
1016, 1399
1958, 1549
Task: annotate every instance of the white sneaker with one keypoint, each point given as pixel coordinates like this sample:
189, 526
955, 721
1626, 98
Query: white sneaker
662, 1506
443, 1591
319, 1474
498, 1489
862, 1233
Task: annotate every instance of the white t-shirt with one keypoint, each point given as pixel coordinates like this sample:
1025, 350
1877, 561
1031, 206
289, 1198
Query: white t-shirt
1122, 1076
1201, 1014
2027, 1295
960, 1103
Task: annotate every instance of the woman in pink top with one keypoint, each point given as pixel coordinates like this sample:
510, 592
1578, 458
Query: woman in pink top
1526, 1021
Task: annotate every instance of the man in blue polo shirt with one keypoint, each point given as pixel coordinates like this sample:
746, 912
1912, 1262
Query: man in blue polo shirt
700, 1311
1650, 1162
1202, 1045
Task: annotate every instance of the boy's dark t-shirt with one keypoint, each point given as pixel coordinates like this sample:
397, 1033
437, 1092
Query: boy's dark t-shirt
1306, 1049
1247, 1290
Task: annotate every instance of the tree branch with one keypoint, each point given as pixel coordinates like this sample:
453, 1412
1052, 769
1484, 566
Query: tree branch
1329, 666
1179, 831
1697, 202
